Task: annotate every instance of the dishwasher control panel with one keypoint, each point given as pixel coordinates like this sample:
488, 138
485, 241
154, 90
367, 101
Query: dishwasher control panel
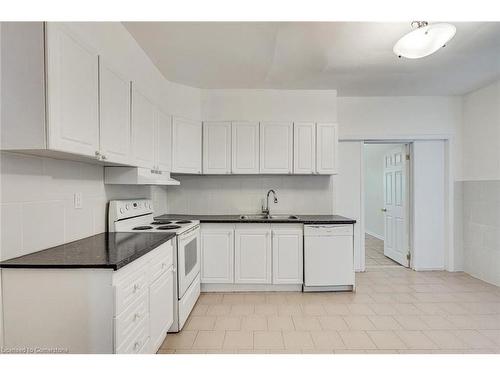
328, 230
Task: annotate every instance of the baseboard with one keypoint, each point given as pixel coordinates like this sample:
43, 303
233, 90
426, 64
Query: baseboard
374, 235
251, 287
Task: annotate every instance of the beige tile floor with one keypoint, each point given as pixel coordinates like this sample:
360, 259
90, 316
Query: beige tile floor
394, 310
374, 253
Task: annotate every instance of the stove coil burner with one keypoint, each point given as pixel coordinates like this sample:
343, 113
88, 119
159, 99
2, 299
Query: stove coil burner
168, 227
142, 227
161, 222
183, 222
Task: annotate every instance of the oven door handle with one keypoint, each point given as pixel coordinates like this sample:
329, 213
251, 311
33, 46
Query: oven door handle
190, 233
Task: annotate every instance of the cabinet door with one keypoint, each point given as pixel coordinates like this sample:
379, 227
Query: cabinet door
216, 147
186, 146
114, 129
143, 130
72, 93
161, 308
287, 254
304, 148
217, 253
245, 147
326, 148
276, 147
163, 141
252, 254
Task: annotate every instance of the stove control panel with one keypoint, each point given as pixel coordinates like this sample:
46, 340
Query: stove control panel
123, 209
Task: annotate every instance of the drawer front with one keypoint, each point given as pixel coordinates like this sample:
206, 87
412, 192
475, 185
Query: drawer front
138, 341
131, 318
162, 260
130, 288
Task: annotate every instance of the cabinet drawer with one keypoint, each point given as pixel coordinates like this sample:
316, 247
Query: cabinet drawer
130, 288
131, 318
162, 260
137, 341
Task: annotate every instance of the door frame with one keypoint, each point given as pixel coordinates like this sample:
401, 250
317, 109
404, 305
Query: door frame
449, 146
408, 145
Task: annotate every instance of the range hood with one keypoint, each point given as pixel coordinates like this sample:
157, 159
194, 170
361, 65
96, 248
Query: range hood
137, 176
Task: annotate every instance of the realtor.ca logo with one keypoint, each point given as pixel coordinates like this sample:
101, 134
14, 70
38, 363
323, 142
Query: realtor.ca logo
32, 350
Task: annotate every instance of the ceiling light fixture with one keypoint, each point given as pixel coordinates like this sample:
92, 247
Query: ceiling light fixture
424, 40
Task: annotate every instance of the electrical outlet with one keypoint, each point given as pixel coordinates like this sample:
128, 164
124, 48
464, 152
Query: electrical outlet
78, 200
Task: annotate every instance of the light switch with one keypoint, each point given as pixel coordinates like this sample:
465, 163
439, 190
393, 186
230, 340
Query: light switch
78, 200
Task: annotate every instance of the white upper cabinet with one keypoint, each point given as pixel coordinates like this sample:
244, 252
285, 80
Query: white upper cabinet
72, 93
276, 147
326, 148
304, 148
287, 254
114, 110
186, 146
217, 253
252, 254
163, 149
245, 147
216, 147
143, 130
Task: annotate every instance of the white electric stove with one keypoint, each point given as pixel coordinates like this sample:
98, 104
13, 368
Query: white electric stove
136, 215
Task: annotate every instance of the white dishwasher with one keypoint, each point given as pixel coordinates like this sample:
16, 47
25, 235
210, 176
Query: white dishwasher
328, 257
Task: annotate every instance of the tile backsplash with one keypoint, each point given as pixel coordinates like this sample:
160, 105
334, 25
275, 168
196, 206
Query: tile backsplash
37, 202
238, 194
481, 229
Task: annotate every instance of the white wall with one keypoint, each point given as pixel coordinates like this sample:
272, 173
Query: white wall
348, 199
480, 225
268, 105
374, 187
392, 117
481, 131
429, 214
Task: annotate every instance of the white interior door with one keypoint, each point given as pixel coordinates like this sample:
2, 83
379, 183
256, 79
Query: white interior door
395, 206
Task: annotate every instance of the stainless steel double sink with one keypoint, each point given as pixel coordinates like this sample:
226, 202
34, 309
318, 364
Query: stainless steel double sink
268, 217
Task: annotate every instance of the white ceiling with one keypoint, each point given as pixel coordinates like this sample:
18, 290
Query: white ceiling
355, 58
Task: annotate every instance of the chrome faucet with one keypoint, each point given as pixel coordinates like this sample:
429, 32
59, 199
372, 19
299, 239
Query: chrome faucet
265, 210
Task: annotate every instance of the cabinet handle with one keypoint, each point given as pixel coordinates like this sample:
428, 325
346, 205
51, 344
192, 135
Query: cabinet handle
137, 316
137, 287
163, 265
137, 345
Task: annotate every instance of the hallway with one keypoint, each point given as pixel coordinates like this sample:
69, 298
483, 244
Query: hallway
374, 252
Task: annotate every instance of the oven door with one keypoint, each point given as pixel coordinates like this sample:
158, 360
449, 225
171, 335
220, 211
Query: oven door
188, 258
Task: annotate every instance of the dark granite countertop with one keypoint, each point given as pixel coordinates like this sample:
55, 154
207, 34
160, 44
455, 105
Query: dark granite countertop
303, 219
104, 250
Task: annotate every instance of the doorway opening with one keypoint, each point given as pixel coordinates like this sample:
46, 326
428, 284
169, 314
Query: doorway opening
387, 204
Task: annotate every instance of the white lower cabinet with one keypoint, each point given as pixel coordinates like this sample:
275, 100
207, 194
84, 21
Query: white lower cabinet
91, 310
252, 254
161, 307
217, 253
287, 254
144, 304
264, 255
